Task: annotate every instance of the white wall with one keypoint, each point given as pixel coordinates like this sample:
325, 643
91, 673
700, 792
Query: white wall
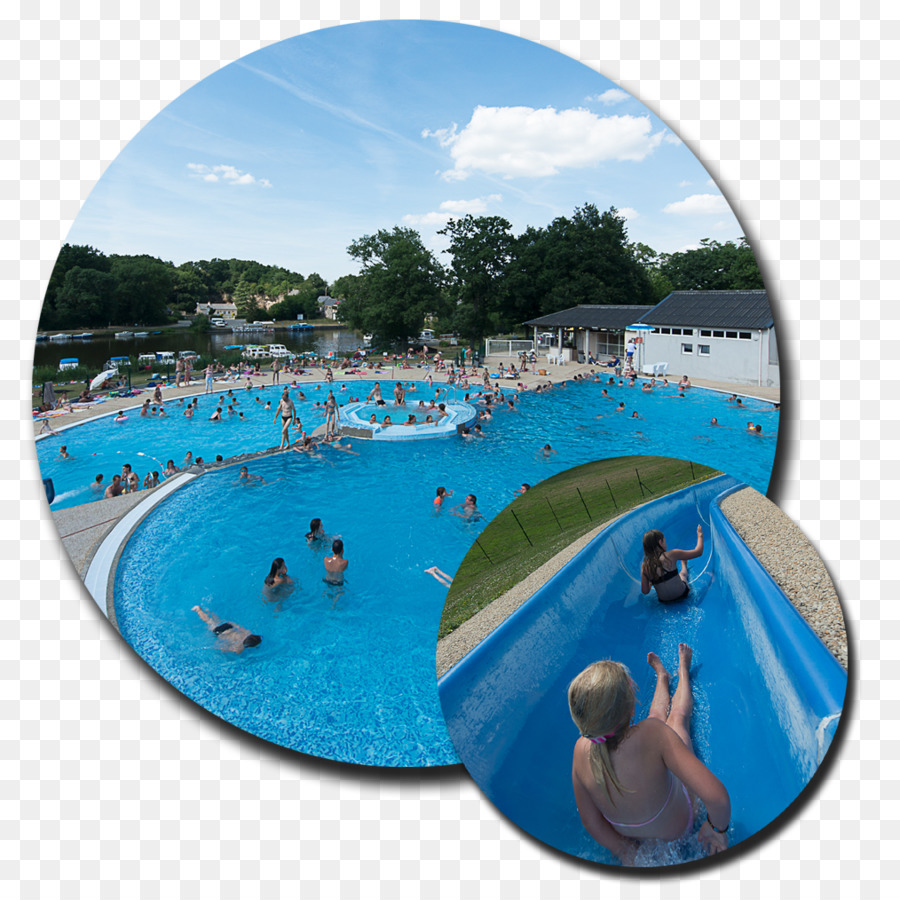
730, 360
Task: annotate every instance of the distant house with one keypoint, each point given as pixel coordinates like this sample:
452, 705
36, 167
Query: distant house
721, 335
328, 306
217, 310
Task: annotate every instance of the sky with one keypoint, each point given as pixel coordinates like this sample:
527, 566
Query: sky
289, 154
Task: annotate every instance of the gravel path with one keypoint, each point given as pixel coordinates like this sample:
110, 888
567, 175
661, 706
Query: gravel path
771, 535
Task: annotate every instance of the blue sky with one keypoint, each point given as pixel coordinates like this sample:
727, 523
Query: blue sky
291, 153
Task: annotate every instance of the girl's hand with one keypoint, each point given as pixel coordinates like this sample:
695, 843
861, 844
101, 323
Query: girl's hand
699, 531
711, 841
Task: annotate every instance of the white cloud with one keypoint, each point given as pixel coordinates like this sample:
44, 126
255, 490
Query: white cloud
453, 209
611, 97
226, 174
521, 142
698, 205
627, 213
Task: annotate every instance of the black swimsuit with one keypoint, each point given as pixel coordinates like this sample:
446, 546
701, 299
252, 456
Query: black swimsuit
223, 627
668, 576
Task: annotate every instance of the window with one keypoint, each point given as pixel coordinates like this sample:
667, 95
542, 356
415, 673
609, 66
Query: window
687, 348
718, 334
705, 332
731, 334
665, 330
744, 336
703, 349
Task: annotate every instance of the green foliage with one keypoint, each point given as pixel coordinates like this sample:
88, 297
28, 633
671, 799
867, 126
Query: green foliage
400, 283
481, 250
143, 288
87, 298
713, 267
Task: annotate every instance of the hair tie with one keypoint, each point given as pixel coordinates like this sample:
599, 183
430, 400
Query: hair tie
599, 740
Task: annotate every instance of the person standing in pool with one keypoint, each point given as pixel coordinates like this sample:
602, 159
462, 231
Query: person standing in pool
330, 414
399, 395
278, 574
286, 411
468, 509
114, 489
660, 566
335, 565
639, 782
375, 394
233, 638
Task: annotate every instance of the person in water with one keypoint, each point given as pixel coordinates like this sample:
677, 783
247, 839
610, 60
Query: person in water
442, 494
278, 574
635, 782
660, 566
335, 565
316, 531
234, 638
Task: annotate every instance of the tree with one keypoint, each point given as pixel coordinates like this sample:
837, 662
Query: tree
481, 249
245, 301
87, 298
713, 267
143, 289
70, 256
400, 283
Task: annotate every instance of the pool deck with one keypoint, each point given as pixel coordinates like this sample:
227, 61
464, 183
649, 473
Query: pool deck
83, 528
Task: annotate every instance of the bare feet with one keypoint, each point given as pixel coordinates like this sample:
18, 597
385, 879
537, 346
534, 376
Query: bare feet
656, 664
685, 655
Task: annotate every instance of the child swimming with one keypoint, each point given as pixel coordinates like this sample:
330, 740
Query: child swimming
660, 570
637, 782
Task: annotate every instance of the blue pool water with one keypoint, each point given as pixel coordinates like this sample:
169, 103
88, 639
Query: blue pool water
767, 693
355, 682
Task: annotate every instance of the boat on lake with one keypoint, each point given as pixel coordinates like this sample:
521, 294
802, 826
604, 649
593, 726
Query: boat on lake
124, 335
69, 363
60, 337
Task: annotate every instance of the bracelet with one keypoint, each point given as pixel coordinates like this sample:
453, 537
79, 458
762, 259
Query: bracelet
716, 830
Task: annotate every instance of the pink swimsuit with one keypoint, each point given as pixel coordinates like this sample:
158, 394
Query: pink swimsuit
672, 780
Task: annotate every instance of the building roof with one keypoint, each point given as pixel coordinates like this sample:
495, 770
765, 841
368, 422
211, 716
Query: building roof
713, 309
610, 318
325, 300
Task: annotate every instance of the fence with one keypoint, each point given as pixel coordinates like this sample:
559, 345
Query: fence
495, 347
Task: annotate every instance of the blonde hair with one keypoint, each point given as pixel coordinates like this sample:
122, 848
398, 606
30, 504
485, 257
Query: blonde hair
652, 552
601, 703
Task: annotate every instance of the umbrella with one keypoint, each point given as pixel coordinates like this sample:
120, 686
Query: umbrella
49, 395
103, 376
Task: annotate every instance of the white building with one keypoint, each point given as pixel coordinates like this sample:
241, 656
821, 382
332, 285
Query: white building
720, 335
217, 310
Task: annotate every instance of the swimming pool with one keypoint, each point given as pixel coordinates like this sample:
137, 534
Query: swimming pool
768, 695
367, 666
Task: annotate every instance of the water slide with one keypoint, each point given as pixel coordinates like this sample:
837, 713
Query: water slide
768, 694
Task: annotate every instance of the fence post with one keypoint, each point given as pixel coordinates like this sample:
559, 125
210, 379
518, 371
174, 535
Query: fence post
520, 526
584, 505
483, 551
554, 513
612, 496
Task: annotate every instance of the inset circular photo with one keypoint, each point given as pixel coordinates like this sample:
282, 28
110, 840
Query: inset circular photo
642, 662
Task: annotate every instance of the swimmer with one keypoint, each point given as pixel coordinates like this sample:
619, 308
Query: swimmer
316, 531
170, 469
523, 489
64, 454
442, 493
145, 409
234, 638
445, 579
399, 395
621, 407
373, 419
411, 420
659, 568
731, 399
546, 452
331, 425
151, 480
645, 774
242, 417
468, 509
188, 460
115, 489
97, 484
244, 477
217, 415
375, 394
685, 382
335, 565
278, 574
476, 430
635, 415
188, 412
162, 412
714, 422
386, 423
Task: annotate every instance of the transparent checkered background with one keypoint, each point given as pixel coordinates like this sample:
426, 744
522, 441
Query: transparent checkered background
114, 786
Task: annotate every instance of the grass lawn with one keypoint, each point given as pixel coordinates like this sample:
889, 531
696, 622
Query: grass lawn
553, 514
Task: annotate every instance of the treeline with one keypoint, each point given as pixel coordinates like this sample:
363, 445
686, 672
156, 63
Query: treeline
496, 280
89, 289
493, 281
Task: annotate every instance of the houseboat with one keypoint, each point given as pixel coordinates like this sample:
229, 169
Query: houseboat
69, 363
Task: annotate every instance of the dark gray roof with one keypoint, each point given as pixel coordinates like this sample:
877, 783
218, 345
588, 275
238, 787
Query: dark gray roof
713, 309
612, 318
